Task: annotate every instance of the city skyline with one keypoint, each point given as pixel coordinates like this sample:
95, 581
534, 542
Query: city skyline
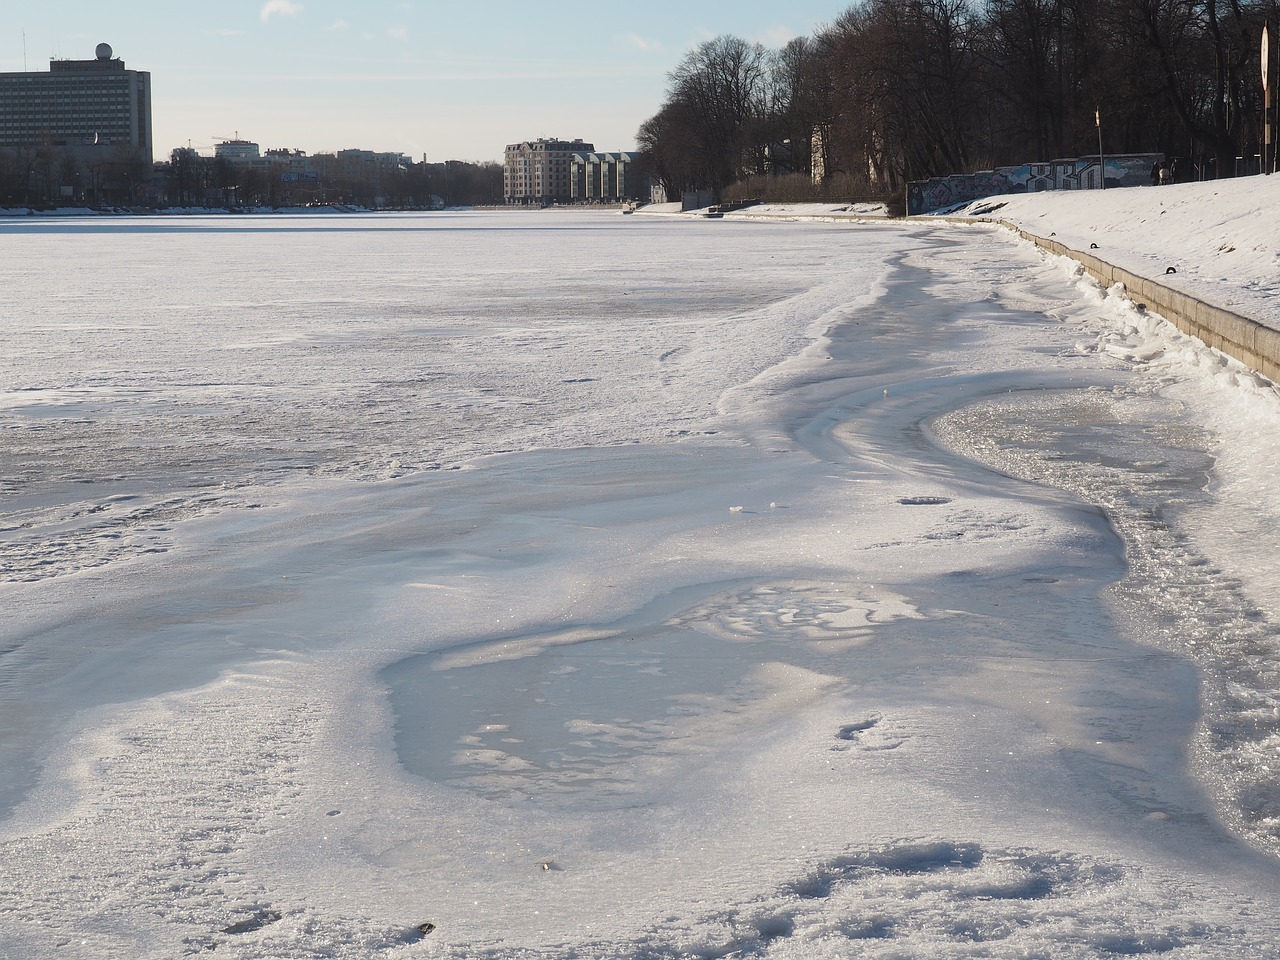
325, 75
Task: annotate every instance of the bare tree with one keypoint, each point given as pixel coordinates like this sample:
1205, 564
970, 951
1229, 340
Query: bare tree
894, 90
722, 85
804, 103
1200, 58
671, 143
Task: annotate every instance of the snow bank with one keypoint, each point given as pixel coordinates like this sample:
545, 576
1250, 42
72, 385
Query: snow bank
1220, 237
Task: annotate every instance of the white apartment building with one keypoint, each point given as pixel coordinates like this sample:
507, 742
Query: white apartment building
237, 150
603, 177
539, 172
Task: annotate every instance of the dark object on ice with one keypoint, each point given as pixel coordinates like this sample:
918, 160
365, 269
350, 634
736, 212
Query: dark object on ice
256, 922
924, 501
851, 731
1093, 246
1171, 270
417, 933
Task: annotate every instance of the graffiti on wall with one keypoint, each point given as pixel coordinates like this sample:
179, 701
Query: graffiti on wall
1082, 173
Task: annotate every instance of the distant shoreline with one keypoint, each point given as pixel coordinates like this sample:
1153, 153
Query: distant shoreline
20, 212
54, 212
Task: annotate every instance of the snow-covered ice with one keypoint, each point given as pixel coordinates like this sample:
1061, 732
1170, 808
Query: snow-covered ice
595, 586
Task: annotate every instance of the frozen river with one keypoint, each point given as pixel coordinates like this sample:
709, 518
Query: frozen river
594, 586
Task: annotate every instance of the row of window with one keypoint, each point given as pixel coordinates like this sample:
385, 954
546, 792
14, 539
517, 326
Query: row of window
71, 111
63, 89
65, 79
103, 123
33, 131
46, 97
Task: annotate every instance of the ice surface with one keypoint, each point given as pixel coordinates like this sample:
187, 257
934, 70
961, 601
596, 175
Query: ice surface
582, 585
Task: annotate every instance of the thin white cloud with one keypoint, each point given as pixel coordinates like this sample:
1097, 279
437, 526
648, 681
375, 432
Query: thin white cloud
643, 43
282, 7
398, 33
337, 26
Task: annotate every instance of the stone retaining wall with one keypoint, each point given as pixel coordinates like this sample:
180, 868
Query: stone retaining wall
1254, 345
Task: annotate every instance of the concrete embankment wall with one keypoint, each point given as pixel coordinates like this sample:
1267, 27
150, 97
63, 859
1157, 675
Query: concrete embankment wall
1254, 345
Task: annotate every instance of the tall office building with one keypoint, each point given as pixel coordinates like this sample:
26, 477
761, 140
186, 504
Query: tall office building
78, 107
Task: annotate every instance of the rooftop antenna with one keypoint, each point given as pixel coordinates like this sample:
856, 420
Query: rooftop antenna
24, 51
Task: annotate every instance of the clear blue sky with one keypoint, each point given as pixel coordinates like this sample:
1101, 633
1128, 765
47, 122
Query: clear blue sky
453, 80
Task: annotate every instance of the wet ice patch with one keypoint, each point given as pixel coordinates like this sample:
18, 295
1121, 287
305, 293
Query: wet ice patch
597, 715
824, 615
1126, 452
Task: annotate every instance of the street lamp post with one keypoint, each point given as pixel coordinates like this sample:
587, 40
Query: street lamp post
1265, 63
1102, 162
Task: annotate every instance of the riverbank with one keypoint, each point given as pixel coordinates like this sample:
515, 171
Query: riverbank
310, 209
1206, 256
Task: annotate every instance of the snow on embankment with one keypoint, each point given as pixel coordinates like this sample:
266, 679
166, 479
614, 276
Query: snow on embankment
1219, 236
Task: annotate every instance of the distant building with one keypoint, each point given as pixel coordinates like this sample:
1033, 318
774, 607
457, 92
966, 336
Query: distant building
372, 161
81, 106
283, 175
540, 172
293, 166
237, 151
364, 177
603, 177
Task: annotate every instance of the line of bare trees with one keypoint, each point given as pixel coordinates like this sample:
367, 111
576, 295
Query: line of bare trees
191, 179
49, 172
897, 90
